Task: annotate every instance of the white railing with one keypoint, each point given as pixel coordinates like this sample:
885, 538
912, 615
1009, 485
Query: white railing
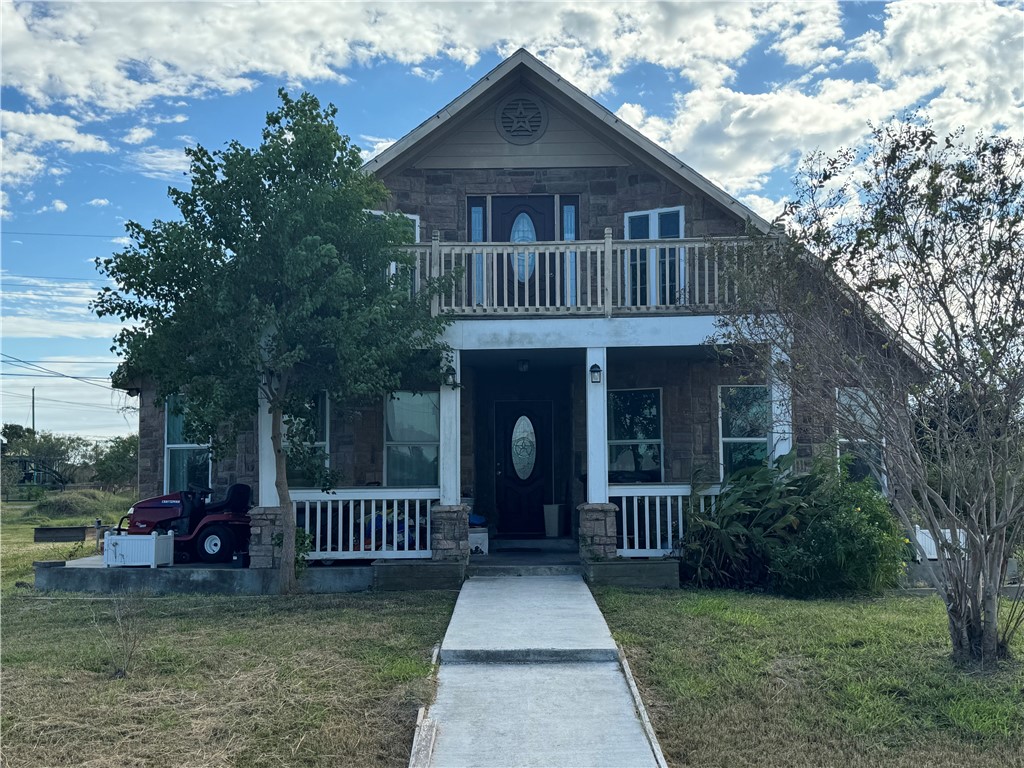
927, 541
578, 277
365, 523
651, 517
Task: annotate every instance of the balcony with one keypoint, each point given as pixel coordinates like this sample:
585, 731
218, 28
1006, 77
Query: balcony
586, 277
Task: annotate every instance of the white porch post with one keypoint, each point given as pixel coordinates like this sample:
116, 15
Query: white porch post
451, 438
267, 464
781, 435
597, 427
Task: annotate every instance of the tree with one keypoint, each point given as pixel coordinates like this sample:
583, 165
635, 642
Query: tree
115, 462
54, 458
276, 285
892, 307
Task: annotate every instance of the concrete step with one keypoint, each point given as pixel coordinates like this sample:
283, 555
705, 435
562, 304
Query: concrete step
534, 545
494, 570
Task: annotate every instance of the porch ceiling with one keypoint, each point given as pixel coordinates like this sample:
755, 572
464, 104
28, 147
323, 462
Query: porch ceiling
537, 359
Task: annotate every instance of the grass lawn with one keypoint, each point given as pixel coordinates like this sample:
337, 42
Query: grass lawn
734, 679
319, 680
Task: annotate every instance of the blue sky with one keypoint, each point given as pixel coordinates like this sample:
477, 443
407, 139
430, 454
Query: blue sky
99, 99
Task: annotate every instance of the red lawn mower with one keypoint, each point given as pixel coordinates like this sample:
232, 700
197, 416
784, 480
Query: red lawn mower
212, 532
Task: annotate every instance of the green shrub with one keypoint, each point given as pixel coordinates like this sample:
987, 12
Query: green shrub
848, 542
801, 535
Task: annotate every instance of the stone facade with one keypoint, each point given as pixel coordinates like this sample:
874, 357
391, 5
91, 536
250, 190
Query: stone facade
449, 532
263, 530
598, 530
606, 194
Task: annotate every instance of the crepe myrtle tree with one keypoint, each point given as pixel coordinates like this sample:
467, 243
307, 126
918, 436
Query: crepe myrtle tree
890, 301
275, 287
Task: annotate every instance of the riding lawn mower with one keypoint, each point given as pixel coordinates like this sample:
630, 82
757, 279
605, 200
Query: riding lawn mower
213, 532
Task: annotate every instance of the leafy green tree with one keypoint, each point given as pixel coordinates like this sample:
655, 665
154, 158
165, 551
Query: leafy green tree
115, 462
893, 309
57, 458
275, 286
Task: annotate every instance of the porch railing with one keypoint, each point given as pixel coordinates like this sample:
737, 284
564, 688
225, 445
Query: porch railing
651, 519
579, 277
364, 523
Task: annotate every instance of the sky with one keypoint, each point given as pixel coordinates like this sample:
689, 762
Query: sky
99, 100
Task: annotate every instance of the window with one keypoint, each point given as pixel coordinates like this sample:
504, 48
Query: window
861, 441
412, 436
185, 463
744, 419
657, 266
303, 477
634, 436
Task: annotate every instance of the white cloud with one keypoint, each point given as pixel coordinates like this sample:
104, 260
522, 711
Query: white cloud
98, 202
430, 75
373, 146
38, 308
57, 206
138, 135
159, 120
160, 163
5, 203
121, 241
28, 136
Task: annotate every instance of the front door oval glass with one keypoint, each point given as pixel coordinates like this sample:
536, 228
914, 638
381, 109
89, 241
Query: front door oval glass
524, 447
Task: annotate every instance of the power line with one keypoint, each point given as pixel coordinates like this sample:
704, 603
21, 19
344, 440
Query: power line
6, 275
32, 366
65, 402
55, 234
9, 374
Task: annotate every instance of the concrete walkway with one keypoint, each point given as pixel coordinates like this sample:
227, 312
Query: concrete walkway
530, 676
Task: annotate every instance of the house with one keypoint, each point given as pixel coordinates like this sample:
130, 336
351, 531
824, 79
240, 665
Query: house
582, 375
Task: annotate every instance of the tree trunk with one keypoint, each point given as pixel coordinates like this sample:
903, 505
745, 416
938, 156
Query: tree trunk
286, 574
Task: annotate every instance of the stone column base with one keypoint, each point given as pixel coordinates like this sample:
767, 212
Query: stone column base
598, 530
449, 533
263, 530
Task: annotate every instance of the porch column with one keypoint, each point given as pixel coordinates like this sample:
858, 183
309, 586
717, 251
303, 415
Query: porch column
597, 425
451, 437
265, 453
781, 435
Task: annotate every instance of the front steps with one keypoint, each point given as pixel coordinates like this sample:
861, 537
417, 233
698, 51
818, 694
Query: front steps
527, 557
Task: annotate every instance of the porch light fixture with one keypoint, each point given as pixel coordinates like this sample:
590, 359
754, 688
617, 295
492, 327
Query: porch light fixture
522, 365
595, 374
449, 375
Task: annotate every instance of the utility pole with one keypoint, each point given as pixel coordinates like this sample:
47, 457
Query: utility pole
33, 409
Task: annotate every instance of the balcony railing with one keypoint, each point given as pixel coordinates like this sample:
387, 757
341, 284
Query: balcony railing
651, 518
586, 277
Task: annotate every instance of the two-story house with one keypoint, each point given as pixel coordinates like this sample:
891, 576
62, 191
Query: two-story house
582, 370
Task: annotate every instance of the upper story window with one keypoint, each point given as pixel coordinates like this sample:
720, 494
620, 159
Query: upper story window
657, 267
744, 419
635, 446
412, 438
185, 463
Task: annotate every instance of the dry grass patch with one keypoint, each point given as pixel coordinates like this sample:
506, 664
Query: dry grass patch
734, 679
219, 681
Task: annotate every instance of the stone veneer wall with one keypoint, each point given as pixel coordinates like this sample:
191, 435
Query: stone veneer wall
606, 194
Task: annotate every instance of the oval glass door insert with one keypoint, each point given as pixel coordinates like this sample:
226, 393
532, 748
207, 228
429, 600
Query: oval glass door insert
523, 231
524, 447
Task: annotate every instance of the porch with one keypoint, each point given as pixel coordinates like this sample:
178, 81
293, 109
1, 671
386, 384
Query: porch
581, 277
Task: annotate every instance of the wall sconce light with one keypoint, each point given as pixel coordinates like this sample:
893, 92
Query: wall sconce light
595, 374
449, 376
522, 365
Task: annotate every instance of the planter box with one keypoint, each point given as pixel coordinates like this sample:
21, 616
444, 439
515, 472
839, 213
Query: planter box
478, 541
153, 550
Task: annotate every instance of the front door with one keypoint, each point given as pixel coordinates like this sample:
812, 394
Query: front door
522, 482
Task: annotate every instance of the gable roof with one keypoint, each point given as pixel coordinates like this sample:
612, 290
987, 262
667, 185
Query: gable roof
523, 64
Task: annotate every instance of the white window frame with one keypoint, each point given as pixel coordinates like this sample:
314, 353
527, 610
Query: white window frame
883, 477
661, 432
324, 444
722, 439
414, 218
387, 443
654, 232
169, 447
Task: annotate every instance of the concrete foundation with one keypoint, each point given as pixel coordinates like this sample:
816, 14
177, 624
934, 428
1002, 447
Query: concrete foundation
662, 573
403, 575
89, 575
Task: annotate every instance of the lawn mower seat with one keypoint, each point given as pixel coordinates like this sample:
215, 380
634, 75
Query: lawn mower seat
235, 501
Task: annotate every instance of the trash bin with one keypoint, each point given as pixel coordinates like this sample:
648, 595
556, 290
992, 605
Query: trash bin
552, 520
